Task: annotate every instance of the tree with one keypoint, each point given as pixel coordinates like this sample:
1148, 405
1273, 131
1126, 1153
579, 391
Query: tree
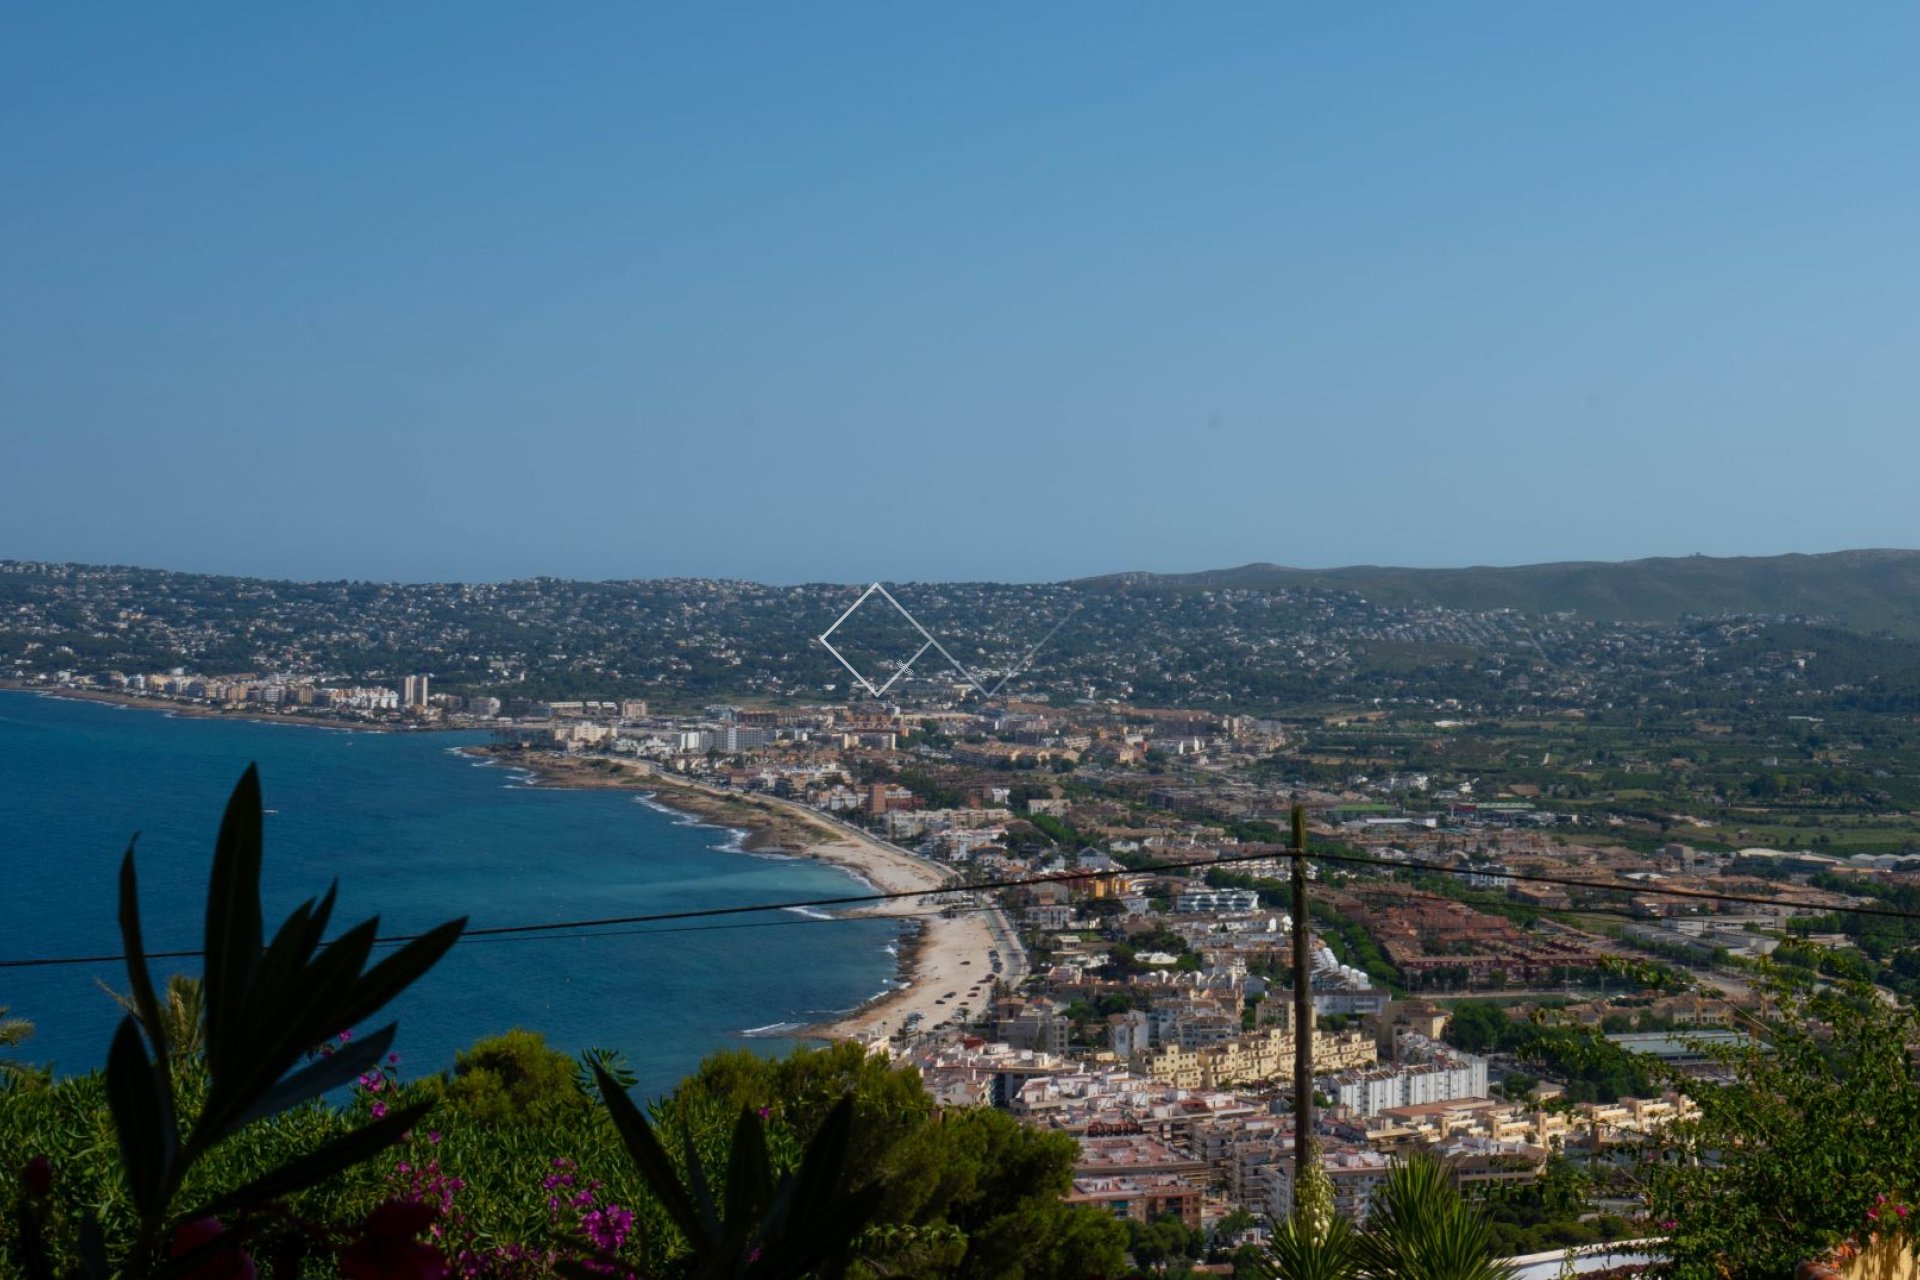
1518, 1086
1000, 1183
1237, 1222
514, 1078
1820, 1118
1163, 1241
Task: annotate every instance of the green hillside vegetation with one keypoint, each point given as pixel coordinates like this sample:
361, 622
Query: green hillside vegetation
1866, 590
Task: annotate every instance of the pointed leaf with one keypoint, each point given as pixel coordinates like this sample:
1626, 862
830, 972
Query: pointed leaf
697, 1180
32, 1246
134, 945
290, 1009
93, 1248
749, 1176
649, 1157
812, 1241
140, 1118
317, 1166
321, 1075
823, 1166
233, 929
401, 970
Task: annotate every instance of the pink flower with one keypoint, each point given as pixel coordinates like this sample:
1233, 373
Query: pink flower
226, 1264
379, 1111
1668, 1225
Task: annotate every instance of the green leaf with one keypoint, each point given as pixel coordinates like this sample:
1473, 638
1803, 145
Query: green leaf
702, 1193
289, 1009
317, 1166
329, 1072
233, 930
134, 946
823, 1166
140, 1118
650, 1158
749, 1176
32, 1242
813, 1241
399, 971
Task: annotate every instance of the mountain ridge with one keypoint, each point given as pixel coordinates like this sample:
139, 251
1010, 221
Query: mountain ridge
1865, 588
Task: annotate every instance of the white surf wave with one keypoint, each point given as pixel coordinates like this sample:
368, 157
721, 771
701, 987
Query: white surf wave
772, 1029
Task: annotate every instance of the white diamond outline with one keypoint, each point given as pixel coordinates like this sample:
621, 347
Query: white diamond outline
911, 621
1021, 666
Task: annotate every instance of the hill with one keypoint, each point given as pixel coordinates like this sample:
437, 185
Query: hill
1863, 590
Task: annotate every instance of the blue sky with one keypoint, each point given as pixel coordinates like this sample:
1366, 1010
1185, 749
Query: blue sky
971, 291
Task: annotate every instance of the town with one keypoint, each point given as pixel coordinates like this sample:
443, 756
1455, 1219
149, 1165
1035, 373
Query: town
1521, 929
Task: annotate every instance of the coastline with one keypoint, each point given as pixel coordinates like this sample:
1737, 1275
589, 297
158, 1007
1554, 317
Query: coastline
200, 711
944, 961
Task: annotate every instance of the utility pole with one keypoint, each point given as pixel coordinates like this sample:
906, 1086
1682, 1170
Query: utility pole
1303, 1145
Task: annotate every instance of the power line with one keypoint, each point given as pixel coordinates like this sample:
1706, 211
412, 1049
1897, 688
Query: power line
1062, 877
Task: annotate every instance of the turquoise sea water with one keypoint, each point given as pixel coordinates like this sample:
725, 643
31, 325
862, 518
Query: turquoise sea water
416, 834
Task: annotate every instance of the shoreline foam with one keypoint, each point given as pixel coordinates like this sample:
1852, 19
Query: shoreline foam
935, 954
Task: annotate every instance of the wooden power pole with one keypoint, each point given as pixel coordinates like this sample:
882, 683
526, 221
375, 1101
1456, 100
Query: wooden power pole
1303, 1154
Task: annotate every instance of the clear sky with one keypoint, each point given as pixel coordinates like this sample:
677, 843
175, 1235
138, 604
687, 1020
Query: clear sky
912, 291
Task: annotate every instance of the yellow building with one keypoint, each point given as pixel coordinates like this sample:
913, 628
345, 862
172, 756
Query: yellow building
1255, 1058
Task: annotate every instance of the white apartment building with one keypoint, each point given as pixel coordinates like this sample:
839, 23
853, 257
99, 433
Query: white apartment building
1357, 1176
1444, 1079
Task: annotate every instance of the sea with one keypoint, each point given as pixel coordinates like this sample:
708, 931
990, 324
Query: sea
415, 832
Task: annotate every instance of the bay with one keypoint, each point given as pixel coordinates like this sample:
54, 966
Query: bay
416, 833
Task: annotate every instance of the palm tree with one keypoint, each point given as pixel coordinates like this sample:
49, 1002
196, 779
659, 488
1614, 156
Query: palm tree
183, 1012
1299, 1251
1420, 1229
13, 1031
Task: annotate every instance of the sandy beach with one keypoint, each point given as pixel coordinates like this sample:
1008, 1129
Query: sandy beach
945, 969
